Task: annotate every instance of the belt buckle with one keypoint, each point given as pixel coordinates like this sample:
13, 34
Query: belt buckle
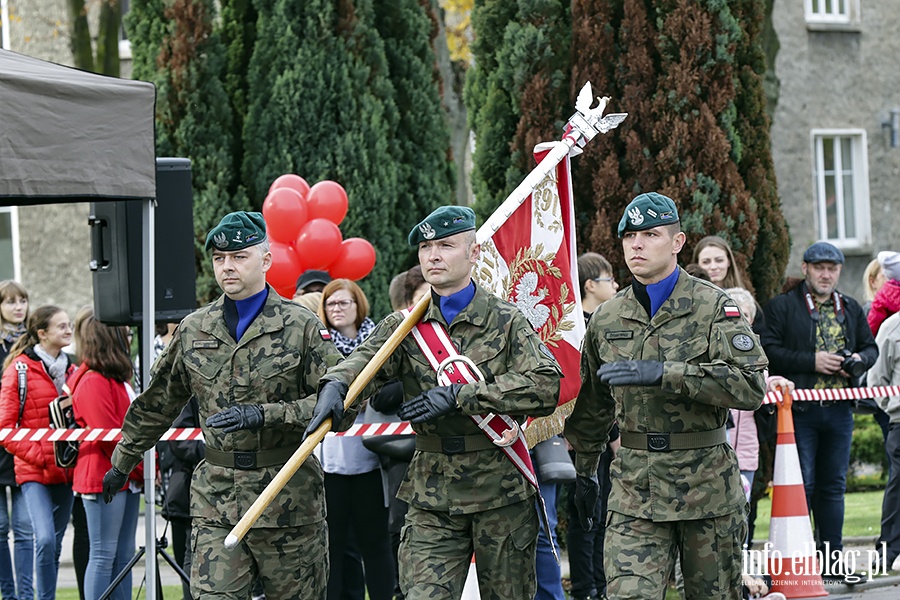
453, 444
658, 442
245, 460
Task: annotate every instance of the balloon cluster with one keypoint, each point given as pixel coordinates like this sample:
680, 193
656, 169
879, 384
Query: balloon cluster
302, 226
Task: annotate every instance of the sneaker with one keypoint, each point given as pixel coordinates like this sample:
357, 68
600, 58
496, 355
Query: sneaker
895, 566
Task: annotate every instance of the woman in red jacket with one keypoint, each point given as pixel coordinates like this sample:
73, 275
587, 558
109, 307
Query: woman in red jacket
100, 397
46, 487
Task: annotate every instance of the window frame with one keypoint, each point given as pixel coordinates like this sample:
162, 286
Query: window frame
860, 188
848, 20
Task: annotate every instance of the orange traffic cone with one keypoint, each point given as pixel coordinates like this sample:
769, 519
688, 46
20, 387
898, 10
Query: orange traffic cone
470, 590
792, 561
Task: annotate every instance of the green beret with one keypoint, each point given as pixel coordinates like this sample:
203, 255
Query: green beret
443, 222
647, 211
236, 231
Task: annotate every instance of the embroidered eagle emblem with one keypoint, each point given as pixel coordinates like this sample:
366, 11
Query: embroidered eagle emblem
636, 217
427, 231
220, 240
528, 300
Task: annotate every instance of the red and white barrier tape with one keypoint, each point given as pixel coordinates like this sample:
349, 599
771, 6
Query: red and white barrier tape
836, 394
396, 428
172, 435
91, 435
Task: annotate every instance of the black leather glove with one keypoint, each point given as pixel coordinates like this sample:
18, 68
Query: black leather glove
632, 372
587, 491
431, 404
113, 482
235, 418
329, 404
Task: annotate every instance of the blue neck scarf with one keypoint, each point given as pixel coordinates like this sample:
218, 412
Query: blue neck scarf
248, 309
659, 292
453, 304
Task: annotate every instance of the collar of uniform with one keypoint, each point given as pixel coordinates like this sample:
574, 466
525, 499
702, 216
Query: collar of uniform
679, 303
270, 319
475, 313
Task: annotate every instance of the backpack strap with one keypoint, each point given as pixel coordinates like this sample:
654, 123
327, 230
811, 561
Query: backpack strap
22, 371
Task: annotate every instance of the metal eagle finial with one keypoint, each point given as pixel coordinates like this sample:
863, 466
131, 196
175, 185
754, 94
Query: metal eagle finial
590, 121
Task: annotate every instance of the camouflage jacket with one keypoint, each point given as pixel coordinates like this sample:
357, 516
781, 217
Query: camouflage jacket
277, 363
521, 379
712, 362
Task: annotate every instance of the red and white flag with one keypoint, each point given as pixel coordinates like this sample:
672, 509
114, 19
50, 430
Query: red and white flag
531, 261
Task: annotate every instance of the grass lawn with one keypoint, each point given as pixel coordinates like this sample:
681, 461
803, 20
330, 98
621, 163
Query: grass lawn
168, 591
862, 515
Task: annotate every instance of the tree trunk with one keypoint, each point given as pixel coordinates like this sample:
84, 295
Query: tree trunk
81, 36
108, 39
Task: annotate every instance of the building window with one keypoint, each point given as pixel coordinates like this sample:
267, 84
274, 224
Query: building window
9, 255
832, 14
841, 187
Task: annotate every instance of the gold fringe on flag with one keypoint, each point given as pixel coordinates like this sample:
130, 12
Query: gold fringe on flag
544, 428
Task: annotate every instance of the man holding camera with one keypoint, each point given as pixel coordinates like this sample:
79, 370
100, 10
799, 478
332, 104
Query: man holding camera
819, 338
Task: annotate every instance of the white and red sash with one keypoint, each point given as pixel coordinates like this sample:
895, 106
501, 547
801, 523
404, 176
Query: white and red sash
436, 345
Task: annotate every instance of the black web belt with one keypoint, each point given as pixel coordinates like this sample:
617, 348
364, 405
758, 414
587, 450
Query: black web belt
249, 460
666, 442
454, 444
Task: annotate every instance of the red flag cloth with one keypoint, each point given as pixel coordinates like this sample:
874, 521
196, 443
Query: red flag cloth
531, 261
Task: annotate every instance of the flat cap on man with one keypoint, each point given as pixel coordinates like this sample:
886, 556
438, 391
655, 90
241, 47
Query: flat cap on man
823, 252
443, 222
312, 276
648, 211
236, 231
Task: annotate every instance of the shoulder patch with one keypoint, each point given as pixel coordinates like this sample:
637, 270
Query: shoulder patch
732, 312
743, 342
546, 351
325, 334
619, 335
205, 344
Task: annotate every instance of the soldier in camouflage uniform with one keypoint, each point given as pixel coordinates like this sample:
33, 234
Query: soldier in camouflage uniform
666, 359
464, 494
253, 361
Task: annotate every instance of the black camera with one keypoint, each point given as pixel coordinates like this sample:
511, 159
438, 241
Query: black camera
854, 367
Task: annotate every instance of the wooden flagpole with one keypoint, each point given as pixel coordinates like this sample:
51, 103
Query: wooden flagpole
586, 123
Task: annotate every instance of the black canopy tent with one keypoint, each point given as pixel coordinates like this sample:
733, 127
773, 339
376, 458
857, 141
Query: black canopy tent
71, 136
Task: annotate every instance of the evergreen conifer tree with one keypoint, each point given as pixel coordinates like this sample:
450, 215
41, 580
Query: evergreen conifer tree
689, 74
176, 47
421, 140
321, 105
517, 93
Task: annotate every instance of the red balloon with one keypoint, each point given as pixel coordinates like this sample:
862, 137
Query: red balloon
286, 292
327, 200
318, 243
285, 212
356, 260
286, 266
294, 182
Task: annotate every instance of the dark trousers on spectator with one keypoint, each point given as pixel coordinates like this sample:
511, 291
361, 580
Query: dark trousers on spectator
181, 549
823, 434
356, 503
890, 506
586, 547
81, 543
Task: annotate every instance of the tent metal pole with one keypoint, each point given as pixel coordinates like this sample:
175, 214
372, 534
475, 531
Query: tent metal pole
4, 21
147, 324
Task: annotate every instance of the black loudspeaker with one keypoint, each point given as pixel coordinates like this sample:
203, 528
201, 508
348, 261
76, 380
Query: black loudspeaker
116, 246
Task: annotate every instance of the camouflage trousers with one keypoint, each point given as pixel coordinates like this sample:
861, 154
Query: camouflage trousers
291, 562
436, 551
639, 556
